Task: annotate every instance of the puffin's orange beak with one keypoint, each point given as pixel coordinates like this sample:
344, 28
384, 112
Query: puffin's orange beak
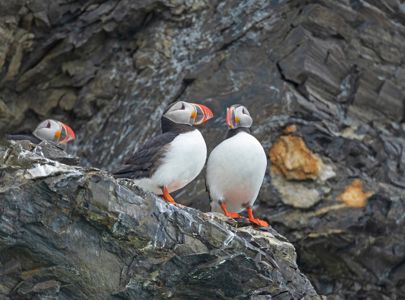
201, 114
230, 117
67, 135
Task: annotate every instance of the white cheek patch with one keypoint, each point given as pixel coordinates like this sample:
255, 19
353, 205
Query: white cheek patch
246, 121
179, 116
46, 134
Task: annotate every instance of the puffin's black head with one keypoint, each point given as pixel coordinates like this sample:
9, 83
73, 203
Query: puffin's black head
54, 131
182, 112
238, 116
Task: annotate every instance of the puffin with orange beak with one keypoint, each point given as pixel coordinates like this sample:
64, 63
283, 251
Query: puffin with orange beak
236, 168
173, 159
52, 131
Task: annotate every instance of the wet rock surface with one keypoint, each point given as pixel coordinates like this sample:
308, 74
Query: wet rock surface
334, 69
72, 233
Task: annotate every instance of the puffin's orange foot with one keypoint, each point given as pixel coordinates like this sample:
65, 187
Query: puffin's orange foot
167, 197
170, 202
258, 222
255, 221
229, 214
233, 215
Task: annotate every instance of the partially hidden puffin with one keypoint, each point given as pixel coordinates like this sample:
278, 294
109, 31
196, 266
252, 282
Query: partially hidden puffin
170, 160
52, 131
236, 168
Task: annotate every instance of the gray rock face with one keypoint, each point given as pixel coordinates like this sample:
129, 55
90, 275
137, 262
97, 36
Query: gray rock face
335, 69
72, 233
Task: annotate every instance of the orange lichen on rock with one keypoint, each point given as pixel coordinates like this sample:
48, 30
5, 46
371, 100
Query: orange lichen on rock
291, 157
354, 195
290, 129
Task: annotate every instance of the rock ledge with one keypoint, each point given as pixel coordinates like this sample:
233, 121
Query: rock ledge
72, 233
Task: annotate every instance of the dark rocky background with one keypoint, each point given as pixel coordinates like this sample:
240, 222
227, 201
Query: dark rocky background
334, 69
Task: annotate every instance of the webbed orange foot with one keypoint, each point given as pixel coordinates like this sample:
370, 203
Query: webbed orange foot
253, 220
167, 197
233, 215
229, 214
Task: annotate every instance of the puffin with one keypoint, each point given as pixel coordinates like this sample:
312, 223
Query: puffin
52, 131
236, 168
174, 158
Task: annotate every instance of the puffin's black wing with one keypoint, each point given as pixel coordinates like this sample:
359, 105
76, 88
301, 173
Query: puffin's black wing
23, 137
146, 160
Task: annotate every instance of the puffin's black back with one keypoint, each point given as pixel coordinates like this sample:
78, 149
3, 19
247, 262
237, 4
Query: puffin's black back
170, 126
144, 162
23, 137
232, 132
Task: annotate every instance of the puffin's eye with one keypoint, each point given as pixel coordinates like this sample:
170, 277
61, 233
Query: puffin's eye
48, 125
245, 111
183, 106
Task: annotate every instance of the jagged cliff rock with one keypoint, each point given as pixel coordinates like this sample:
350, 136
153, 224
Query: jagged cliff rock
72, 233
333, 69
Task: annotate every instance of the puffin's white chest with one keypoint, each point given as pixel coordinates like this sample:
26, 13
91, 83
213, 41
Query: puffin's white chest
183, 161
235, 171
